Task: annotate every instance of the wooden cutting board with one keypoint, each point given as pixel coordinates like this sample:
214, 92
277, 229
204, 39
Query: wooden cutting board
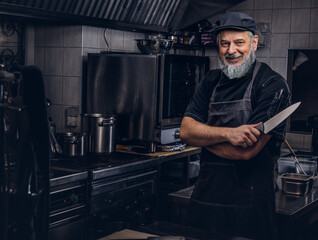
122, 148
128, 234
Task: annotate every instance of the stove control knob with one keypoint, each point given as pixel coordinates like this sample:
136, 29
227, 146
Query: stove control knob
74, 199
177, 134
141, 193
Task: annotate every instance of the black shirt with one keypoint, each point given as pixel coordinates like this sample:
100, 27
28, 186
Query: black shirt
270, 95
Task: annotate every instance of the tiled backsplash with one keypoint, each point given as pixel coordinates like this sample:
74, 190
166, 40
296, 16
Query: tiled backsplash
61, 51
299, 141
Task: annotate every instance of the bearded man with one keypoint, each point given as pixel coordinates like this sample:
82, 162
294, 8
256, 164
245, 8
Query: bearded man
235, 191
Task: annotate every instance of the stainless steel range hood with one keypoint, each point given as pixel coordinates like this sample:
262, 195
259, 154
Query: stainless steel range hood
144, 15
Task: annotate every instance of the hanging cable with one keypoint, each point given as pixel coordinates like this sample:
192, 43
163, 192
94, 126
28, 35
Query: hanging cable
104, 35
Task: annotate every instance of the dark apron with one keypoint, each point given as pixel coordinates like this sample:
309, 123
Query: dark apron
234, 197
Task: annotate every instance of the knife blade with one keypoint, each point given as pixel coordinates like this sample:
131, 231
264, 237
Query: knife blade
277, 119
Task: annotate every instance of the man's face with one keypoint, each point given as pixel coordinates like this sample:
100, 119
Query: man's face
236, 52
234, 46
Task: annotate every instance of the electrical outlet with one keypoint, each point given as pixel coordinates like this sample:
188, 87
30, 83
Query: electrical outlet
72, 117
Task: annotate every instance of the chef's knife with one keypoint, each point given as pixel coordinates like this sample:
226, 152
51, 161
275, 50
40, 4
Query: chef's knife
277, 119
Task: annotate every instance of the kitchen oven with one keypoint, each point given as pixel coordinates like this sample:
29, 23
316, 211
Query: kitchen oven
121, 190
147, 93
68, 204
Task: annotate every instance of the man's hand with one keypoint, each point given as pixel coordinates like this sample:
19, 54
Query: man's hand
244, 135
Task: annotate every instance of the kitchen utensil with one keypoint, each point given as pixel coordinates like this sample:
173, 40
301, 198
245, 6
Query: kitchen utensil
286, 164
297, 184
100, 130
298, 166
74, 144
154, 46
277, 119
55, 146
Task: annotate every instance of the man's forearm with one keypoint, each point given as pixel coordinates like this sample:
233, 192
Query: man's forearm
228, 151
199, 134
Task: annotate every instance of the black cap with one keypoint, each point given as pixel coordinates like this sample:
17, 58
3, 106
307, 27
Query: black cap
235, 20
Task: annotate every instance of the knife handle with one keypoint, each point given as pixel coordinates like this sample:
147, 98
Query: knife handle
260, 127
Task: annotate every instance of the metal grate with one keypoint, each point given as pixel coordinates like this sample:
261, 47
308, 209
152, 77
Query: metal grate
147, 15
150, 12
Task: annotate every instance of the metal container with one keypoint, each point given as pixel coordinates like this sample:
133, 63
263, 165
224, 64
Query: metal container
74, 144
100, 130
297, 184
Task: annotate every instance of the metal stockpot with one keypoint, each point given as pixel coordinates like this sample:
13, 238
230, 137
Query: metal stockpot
100, 130
74, 145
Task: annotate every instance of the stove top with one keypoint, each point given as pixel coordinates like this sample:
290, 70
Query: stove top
59, 176
104, 165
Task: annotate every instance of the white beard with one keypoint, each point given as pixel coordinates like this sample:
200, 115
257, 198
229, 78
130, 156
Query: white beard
232, 71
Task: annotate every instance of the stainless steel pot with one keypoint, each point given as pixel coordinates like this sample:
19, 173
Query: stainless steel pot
100, 130
74, 145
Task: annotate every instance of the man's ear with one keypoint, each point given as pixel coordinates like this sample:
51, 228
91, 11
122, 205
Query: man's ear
255, 42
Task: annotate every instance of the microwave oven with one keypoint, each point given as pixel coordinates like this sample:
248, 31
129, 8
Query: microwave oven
148, 94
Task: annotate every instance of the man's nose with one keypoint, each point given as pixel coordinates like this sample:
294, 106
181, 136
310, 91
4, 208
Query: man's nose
231, 49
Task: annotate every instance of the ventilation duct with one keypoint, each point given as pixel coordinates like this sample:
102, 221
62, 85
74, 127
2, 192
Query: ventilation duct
147, 15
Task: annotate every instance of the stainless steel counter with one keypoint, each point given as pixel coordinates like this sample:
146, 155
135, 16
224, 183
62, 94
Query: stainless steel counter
285, 204
292, 204
297, 215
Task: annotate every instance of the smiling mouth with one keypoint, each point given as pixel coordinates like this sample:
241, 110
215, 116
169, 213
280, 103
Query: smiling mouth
233, 60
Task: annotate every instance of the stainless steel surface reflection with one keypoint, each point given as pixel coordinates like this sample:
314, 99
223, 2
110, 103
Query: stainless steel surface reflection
148, 94
124, 85
288, 204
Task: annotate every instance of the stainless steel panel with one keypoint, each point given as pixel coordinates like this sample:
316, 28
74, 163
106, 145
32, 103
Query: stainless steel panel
124, 85
78, 7
119, 10
15, 1
113, 11
134, 10
125, 12
91, 7
165, 12
153, 17
67, 6
97, 8
52, 6
103, 9
29, 3
139, 7
38, 4
59, 6
170, 13
150, 12
46, 4
85, 7
72, 7
143, 11
109, 8
158, 12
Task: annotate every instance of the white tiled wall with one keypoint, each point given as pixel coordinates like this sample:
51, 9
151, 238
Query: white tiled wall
293, 24
60, 52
